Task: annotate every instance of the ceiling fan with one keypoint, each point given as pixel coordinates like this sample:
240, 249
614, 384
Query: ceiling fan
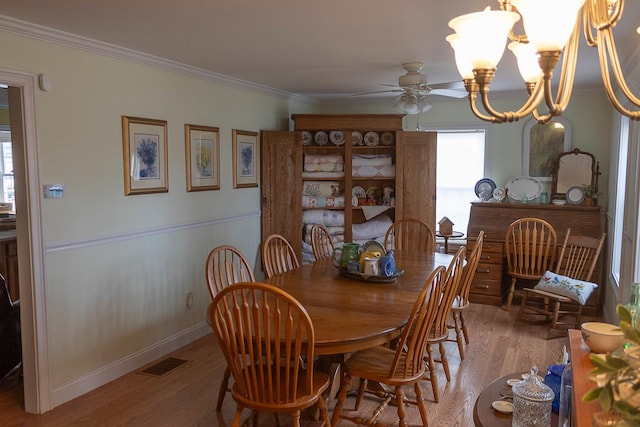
414, 88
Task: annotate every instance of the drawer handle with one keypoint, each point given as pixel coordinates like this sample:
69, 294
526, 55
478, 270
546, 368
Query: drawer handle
482, 286
482, 270
485, 256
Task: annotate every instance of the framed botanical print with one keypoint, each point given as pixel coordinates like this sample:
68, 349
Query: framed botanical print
145, 155
202, 146
245, 159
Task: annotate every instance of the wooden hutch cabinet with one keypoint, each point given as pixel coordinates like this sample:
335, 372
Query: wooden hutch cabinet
413, 155
490, 282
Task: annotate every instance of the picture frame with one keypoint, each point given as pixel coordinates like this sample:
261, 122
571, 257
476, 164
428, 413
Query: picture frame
541, 146
145, 155
202, 156
246, 158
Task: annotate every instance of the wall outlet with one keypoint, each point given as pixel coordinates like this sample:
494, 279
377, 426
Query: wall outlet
189, 299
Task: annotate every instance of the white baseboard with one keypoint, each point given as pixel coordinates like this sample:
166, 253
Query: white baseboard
108, 373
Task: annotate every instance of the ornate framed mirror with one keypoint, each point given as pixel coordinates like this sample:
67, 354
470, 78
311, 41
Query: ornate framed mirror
575, 168
541, 146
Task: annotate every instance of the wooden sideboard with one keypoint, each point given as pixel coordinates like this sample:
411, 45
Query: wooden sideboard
491, 280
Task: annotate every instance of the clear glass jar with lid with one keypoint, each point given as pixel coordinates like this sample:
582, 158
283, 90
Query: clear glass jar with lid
532, 402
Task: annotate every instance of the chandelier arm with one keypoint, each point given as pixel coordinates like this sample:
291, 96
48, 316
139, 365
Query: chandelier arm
511, 116
601, 16
589, 36
617, 69
567, 73
606, 78
548, 61
542, 119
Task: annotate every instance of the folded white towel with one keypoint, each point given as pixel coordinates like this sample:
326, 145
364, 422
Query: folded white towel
323, 158
371, 160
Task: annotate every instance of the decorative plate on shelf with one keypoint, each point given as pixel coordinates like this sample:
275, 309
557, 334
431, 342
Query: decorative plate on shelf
485, 185
321, 137
387, 138
336, 137
574, 195
371, 139
523, 186
356, 138
306, 137
499, 194
358, 192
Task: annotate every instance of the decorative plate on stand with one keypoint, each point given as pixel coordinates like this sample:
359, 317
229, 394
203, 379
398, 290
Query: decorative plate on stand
371, 139
321, 137
484, 189
523, 187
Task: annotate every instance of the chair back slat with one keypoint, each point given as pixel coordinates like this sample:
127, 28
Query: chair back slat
278, 256
413, 341
264, 333
579, 255
530, 247
410, 234
225, 266
321, 243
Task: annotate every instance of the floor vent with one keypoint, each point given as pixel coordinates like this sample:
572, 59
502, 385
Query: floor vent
163, 367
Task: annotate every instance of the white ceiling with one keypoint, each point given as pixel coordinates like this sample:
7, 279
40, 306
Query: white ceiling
325, 49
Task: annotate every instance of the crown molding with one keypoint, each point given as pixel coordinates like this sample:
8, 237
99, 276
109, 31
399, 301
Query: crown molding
39, 32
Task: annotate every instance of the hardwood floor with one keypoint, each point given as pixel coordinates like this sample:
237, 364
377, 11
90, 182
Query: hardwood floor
187, 395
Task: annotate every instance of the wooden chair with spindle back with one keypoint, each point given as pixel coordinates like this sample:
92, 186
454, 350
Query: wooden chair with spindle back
264, 333
321, 243
395, 368
461, 301
577, 260
278, 256
225, 266
530, 249
410, 234
439, 332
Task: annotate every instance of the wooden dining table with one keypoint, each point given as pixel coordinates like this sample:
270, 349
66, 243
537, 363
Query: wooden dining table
350, 314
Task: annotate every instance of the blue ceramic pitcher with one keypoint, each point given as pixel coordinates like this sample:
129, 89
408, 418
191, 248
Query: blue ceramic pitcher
387, 264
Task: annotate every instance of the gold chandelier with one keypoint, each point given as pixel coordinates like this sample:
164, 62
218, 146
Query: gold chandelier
552, 30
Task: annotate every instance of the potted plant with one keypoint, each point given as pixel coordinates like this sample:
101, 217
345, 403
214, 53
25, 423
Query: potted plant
618, 387
590, 195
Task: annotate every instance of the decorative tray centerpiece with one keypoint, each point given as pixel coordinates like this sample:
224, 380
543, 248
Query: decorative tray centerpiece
371, 277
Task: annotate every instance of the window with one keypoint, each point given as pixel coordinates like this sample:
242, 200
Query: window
460, 164
618, 218
7, 193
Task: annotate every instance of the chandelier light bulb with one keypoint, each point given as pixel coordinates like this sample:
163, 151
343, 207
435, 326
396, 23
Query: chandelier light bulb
463, 56
548, 23
484, 35
527, 59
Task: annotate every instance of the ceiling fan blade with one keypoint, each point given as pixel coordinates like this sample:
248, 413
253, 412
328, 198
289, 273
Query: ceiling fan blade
448, 85
379, 91
386, 84
452, 93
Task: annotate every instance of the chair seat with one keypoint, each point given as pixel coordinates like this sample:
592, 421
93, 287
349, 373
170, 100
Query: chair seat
546, 294
374, 364
320, 384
